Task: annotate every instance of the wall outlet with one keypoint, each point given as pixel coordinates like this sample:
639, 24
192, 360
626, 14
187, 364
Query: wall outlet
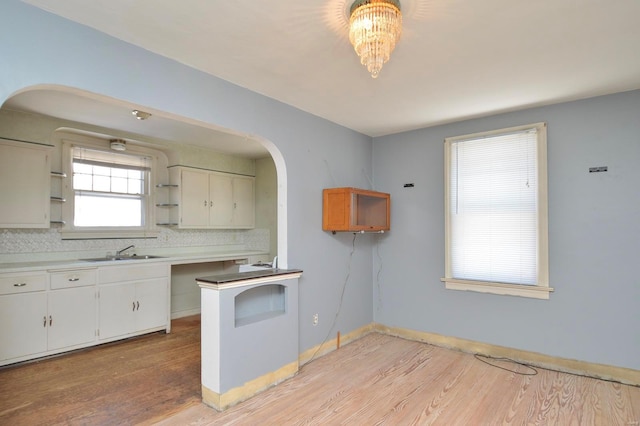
315, 319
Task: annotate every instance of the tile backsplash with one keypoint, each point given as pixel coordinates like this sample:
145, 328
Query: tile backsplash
15, 241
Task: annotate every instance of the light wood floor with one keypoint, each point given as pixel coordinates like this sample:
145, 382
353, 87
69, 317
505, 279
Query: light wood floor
376, 380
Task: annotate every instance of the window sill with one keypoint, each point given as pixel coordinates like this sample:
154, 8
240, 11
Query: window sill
108, 234
530, 291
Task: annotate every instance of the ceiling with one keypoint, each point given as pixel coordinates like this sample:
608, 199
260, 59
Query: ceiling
456, 59
111, 114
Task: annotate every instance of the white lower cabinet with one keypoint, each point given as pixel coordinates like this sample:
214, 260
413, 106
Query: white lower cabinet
23, 327
36, 322
72, 317
133, 300
47, 312
132, 307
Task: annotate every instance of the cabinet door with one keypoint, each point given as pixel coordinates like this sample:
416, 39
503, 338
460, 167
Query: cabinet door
117, 309
152, 311
243, 202
25, 185
72, 317
194, 199
23, 330
221, 194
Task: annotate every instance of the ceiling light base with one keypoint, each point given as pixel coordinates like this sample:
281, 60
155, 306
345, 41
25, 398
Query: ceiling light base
118, 144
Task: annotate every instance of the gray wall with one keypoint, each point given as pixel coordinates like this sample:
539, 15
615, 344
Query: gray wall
39, 48
267, 200
594, 237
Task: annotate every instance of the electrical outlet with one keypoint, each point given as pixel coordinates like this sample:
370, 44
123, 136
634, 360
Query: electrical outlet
315, 319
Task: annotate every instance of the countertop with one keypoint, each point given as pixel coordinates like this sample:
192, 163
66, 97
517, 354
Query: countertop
242, 279
241, 276
173, 259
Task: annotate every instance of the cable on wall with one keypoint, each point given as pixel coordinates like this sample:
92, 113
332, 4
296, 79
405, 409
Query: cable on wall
344, 287
378, 274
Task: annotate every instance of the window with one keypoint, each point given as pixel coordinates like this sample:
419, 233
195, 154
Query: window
110, 189
108, 192
496, 212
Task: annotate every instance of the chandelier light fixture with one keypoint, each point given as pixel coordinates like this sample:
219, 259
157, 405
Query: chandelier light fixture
374, 30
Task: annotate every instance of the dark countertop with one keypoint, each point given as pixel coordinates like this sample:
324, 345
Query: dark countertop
241, 276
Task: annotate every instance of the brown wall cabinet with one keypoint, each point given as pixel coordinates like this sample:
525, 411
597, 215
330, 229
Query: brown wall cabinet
355, 210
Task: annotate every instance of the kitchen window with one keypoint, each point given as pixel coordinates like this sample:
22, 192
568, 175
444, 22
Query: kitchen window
496, 212
110, 190
108, 194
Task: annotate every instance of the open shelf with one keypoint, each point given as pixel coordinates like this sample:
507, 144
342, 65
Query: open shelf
259, 304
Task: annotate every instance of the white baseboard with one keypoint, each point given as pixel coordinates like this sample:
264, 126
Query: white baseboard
181, 314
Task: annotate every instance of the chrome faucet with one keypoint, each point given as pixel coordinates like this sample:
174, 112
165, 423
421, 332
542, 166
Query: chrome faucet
119, 252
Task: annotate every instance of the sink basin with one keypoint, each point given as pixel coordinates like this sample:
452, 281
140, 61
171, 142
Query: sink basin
117, 258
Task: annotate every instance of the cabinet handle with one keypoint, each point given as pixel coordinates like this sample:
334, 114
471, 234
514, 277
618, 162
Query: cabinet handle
235, 205
205, 203
20, 284
137, 306
50, 321
44, 324
210, 203
134, 306
74, 279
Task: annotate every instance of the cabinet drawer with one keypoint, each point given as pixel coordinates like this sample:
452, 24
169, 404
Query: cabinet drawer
22, 283
73, 278
116, 274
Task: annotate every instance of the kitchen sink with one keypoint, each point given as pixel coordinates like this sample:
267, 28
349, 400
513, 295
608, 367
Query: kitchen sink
119, 258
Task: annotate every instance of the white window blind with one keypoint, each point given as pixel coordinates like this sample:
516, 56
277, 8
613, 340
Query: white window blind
493, 208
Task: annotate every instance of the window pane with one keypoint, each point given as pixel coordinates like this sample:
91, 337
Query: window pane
119, 172
135, 174
119, 185
135, 186
93, 210
82, 182
102, 171
102, 183
82, 168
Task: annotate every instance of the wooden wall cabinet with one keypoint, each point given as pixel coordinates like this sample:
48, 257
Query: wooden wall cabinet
355, 210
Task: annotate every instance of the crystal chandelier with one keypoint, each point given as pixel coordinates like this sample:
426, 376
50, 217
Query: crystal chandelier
374, 29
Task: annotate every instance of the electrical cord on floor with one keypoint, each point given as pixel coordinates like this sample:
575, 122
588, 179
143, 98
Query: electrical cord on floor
535, 371
485, 358
344, 287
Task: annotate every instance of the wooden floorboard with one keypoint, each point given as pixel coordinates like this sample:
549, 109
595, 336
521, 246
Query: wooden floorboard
130, 382
376, 380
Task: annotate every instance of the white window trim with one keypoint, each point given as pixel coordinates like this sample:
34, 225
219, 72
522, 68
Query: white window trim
542, 289
68, 230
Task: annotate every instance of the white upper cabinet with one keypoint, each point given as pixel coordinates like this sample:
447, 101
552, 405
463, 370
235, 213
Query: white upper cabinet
214, 200
25, 185
243, 202
194, 199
